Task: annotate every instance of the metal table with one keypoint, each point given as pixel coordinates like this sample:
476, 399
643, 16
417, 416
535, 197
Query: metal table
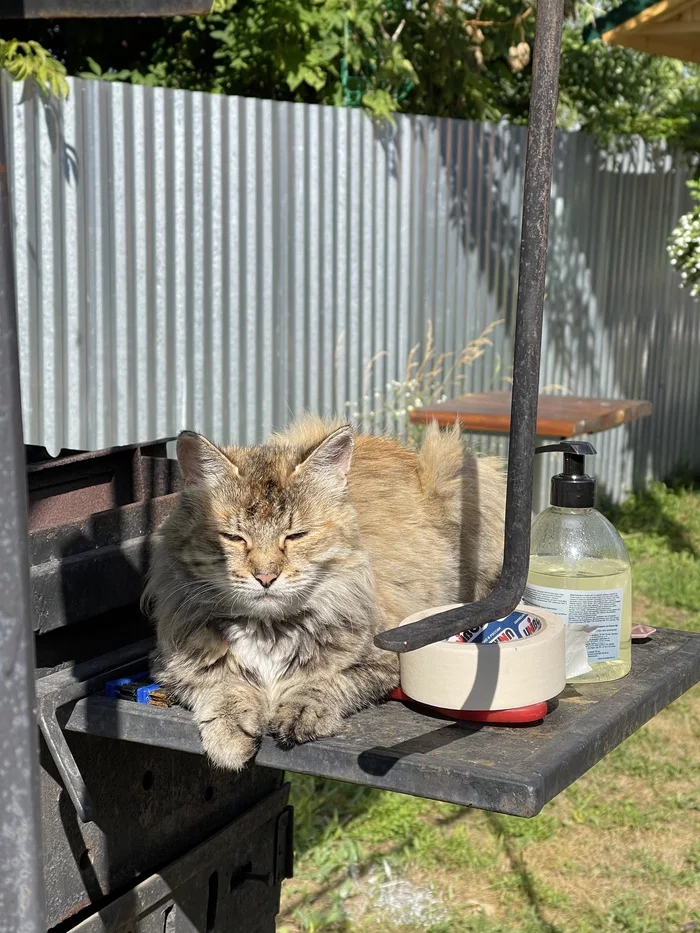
514, 770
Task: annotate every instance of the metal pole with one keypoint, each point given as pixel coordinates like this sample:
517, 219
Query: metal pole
526, 363
21, 868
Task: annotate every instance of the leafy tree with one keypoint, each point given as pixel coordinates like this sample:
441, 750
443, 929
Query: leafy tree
29, 60
450, 58
612, 91
458, 58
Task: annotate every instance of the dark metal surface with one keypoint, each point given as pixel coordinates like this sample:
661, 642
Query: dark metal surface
21, 886
54, 692
76, 485
64, 648
526, 362
94, 9
35, 453
148, 806
152, 806
91, 518
225, 882
393, 747
86, 568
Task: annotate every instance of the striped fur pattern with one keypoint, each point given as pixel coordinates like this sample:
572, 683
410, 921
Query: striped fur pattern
281, 562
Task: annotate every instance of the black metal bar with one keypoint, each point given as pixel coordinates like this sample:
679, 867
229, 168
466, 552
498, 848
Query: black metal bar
526, 363
21, 866
53, 9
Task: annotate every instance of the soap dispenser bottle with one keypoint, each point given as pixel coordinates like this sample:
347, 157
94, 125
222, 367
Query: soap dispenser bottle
580, 568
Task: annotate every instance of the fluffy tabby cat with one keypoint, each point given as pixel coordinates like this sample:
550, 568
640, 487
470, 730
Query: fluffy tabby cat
280, 563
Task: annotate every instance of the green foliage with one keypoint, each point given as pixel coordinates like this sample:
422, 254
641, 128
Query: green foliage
684, 244
472, 60
312, 50
30, 60
661, 528
429, 57
468, 59
612, 91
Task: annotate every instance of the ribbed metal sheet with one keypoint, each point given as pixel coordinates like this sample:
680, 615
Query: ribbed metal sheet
224, 263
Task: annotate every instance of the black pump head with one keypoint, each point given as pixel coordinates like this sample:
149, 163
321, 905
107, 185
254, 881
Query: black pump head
573, 488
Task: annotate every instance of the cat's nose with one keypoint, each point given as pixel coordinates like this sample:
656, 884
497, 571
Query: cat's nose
266, 579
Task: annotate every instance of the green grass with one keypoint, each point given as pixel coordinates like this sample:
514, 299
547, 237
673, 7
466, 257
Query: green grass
618, 852
661, 529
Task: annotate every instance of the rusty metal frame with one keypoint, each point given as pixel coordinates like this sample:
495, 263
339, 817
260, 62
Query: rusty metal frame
53, 696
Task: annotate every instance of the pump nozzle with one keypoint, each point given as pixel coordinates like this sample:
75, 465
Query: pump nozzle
573, 488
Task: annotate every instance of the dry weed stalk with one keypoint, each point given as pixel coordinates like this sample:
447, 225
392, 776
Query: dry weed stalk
429, 378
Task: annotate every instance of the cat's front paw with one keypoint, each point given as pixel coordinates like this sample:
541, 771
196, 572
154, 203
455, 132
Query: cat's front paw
227, 744
300, 719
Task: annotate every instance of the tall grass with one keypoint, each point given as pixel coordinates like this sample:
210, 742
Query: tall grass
429, 377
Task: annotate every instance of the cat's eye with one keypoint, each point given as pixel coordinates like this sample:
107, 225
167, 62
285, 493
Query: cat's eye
295, 535
237, 539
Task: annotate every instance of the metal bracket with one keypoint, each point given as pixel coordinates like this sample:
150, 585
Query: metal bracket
283, 856
284, 852
58, 690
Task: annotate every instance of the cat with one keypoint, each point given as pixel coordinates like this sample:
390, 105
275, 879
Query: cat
280, 563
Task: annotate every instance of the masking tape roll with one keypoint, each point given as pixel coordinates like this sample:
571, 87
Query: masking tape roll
504, 675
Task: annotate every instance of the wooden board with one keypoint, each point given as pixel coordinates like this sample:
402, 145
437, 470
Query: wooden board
670, 27
558, 416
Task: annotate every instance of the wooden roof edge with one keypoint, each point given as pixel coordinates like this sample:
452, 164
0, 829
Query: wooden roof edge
659, 12
630, 15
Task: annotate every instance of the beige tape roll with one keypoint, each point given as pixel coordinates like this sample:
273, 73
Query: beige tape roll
505, 675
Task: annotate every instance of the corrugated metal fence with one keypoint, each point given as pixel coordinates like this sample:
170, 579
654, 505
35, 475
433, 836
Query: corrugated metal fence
223, 263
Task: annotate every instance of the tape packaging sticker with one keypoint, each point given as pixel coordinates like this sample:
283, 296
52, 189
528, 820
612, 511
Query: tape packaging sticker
506, 673
510, 627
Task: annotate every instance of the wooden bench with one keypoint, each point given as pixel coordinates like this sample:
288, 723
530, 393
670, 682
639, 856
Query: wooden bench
559, 417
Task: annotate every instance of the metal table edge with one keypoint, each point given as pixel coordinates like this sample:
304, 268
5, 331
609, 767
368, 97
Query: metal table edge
519, 795
522, 793
653, 696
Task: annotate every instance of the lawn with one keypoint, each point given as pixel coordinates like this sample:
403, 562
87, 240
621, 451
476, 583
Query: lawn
617, 851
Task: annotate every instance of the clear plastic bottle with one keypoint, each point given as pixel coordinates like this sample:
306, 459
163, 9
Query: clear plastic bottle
580, 568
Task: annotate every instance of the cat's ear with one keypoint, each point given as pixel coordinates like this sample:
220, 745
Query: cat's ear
330, 461
201, 462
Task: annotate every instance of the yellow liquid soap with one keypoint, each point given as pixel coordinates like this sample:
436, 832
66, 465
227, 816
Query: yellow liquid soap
594, 591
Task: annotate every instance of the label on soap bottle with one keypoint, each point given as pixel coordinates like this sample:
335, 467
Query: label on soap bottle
601, 608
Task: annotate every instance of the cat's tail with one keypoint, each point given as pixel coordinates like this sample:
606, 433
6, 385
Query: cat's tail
440, 462
451, 473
